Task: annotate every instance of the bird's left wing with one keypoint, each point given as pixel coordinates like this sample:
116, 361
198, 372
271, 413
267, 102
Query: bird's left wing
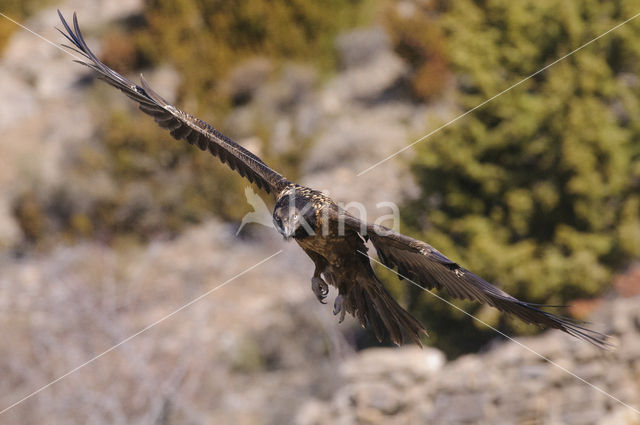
181, 124
424, 265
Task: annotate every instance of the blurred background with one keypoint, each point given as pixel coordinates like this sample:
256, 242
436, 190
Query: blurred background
107, 224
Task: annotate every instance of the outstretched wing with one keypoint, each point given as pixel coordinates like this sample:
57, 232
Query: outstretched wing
181, 124
424, 265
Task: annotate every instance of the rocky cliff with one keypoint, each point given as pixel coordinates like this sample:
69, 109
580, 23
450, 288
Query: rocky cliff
201, 335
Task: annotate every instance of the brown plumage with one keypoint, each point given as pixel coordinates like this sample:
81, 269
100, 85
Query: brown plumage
331, 237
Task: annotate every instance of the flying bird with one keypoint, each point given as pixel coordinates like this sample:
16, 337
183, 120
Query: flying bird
331, 237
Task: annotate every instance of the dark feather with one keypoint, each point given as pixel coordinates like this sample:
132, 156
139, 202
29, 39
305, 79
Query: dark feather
425, 266
181, 125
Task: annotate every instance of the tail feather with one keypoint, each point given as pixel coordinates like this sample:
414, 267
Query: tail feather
369, 302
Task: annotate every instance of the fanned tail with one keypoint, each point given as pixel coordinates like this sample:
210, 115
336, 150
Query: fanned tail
369, 302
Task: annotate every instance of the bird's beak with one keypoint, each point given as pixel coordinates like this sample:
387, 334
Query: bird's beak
286, 228
288, 231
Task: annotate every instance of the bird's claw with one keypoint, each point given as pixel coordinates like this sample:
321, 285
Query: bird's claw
338, 307
319, 288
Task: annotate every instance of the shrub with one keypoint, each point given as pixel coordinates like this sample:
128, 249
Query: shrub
17, 10
419, 38
539, 190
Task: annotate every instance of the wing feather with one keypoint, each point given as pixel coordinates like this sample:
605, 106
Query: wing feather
424, 265
180, 124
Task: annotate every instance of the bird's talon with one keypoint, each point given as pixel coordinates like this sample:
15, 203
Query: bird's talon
320, 289
338, 307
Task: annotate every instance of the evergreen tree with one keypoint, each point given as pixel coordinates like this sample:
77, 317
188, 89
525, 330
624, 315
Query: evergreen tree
539, 190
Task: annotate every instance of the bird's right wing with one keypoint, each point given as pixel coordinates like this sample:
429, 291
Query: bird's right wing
181, 124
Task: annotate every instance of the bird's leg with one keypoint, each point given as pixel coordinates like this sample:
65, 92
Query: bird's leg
319, 287
338, 307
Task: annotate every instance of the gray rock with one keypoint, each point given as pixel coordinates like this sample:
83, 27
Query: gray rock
377, 363
245, 80
361, 47
620, 416
380, 396
459, 408
368, 83
629, 348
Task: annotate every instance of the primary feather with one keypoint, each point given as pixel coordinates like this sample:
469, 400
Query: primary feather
180, 124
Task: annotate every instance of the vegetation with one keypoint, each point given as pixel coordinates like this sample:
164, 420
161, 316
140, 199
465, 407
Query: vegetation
17, 10
158, 185
418, 37
539, 190
204, 39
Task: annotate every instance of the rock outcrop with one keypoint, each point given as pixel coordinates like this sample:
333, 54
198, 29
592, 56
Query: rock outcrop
549, 379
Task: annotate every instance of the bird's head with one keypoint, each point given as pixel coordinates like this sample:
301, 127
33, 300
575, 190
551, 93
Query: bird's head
294, 216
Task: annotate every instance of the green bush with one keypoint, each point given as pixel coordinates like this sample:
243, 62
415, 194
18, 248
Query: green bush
539, 190
204, 39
